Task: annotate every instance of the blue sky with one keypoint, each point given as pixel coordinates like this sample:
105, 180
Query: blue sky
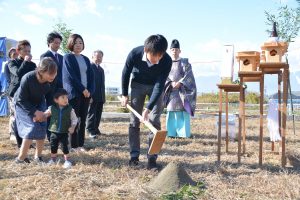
117, 26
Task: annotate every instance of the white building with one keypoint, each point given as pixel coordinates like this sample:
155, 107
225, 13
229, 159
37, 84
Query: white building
112, 90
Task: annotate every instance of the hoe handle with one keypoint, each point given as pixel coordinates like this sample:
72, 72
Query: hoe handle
147, 123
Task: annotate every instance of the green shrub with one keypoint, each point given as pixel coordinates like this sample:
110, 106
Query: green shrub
111, 97
251, 97
186, 192
123, 110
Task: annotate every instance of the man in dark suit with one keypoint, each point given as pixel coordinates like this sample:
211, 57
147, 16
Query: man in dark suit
54, 40
98, 98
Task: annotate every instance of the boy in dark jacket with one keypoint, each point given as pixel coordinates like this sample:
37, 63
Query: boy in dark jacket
62, 122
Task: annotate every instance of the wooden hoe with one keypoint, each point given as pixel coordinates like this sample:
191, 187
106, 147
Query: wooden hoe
159, 135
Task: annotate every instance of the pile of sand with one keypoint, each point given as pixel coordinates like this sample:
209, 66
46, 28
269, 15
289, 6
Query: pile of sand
171, 178
294, 158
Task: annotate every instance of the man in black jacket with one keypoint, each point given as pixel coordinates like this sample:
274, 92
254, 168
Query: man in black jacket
149, 67
98, 97
17, 69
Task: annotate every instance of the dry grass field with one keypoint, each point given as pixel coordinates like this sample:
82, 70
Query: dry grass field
103, 171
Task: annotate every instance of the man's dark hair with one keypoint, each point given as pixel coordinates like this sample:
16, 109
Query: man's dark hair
156, 44
60, 92
52, 36
22, 44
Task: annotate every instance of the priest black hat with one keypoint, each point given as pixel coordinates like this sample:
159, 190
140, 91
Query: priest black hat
175, 44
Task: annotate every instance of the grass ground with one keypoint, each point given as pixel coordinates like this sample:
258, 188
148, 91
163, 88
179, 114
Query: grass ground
103, 171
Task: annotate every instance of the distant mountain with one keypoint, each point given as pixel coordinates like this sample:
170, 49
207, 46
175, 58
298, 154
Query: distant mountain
206, 84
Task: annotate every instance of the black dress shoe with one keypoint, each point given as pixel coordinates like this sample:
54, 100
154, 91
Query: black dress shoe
134, 161
98, 132
92, 136
152, 164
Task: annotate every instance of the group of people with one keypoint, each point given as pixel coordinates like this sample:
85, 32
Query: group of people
56, 98
63, 96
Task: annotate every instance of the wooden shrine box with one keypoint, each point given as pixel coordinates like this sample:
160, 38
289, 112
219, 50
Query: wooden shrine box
248, 60
274, 50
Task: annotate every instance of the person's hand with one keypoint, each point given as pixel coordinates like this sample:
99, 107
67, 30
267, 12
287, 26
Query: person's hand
124, 101
28, 57
47, 113
86, 93
176, 85
39, 116
71, 129
145, 115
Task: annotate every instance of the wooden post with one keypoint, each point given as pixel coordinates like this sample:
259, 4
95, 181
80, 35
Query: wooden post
226, 122
227, 88
220, 125
244, 120
279, 108
240, 118
279, 103
284, 112
261, 118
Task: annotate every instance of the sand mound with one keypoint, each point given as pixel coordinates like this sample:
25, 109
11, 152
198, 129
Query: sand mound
294, 158
171, 178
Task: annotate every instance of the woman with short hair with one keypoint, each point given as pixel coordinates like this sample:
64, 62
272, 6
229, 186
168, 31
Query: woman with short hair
30, 106
78, 81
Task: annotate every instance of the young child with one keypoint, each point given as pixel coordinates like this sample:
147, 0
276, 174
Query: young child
62, 122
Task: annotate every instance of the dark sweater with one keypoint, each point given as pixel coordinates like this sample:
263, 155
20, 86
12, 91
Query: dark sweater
155, 75
31, 93
57, 83
72, 79
18, 68
99, 94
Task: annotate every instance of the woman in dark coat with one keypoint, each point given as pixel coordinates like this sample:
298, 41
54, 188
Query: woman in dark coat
30, 106
78, 81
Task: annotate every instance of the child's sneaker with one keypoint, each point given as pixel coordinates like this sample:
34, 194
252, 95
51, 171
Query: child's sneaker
18, 161
51, 162
38, 160
67, 164
81, 149
74, 150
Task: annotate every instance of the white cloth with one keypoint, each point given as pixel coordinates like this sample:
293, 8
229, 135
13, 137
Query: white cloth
273, 125
232, 129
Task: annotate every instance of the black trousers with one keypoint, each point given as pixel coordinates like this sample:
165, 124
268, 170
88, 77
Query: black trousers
16, 133
49, 101
59, 138
80, 106
94, 117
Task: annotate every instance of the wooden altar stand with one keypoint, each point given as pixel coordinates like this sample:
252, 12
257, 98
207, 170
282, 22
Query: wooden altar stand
279, 68
250, 76
227, 88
